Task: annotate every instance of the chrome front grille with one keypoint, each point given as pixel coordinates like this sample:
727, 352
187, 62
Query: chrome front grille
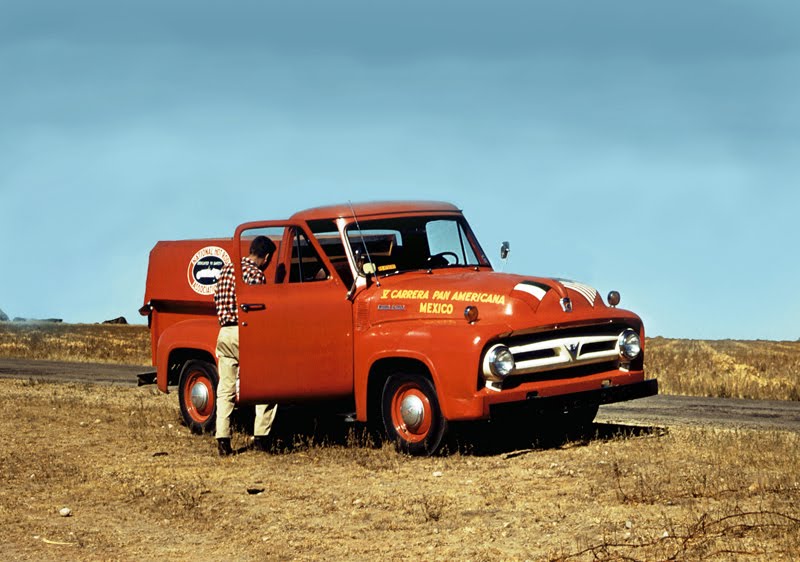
564, 352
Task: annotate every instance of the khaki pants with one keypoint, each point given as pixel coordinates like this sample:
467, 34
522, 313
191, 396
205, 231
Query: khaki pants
228, 365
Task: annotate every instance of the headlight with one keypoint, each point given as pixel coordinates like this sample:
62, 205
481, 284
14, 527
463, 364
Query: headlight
498, 363
629, 345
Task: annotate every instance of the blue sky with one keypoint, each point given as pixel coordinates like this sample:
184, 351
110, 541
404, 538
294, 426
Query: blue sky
652, 148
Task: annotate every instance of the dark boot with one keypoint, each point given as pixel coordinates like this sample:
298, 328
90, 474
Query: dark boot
224, 446
261, 443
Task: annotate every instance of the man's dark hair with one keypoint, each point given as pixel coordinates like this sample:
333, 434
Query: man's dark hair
261, 246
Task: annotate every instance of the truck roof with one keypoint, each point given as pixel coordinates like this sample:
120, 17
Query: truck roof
346, 210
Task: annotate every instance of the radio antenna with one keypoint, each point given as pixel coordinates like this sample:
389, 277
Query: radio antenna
363, 241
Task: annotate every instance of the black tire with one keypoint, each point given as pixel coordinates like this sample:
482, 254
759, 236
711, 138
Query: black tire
420, 430
197, 394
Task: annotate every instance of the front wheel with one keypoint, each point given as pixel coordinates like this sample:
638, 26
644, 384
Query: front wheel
411, 414
198, 395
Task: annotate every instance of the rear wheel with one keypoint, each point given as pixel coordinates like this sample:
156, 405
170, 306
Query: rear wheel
411, 414
198, 395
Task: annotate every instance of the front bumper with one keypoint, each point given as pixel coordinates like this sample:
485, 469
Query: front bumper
535, 404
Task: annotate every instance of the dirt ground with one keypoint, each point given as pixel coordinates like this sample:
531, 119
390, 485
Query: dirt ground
139, 486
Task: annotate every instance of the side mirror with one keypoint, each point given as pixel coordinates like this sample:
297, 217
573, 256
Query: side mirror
368, 268
505, 249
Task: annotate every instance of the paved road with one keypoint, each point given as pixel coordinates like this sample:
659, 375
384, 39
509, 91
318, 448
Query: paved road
62, 371
653, 411
688, 410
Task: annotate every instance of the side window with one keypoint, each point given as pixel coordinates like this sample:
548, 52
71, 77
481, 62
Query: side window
306, 266
384, 247
327, 235
273, 233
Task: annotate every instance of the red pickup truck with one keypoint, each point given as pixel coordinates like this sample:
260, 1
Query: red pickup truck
393, 310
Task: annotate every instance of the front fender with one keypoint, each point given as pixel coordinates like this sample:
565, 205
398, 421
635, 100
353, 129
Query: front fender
450, 351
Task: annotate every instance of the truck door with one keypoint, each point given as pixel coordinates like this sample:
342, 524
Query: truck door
296, 331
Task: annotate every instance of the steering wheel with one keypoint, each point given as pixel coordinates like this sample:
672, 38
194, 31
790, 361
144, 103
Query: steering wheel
440, 259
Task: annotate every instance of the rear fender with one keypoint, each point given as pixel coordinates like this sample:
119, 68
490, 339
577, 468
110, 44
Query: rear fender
198, 337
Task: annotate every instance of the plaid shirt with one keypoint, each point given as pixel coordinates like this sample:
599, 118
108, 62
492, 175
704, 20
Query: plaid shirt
225, 293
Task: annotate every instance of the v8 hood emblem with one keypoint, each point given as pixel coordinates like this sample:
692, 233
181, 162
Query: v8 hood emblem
573, 350
566, 304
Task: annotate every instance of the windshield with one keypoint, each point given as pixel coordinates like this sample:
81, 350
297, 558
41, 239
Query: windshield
411, 243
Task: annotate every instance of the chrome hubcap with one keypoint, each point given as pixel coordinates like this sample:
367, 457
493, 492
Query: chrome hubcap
200, 396
412, 410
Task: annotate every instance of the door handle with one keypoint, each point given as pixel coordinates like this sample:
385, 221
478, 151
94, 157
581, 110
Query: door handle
250, 307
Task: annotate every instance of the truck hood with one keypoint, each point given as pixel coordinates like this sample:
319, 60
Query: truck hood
516, 300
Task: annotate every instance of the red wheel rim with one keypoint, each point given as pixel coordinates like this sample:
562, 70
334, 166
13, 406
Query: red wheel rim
198, 396
411, 403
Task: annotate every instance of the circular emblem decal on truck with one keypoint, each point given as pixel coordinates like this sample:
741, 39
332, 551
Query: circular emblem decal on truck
205, 267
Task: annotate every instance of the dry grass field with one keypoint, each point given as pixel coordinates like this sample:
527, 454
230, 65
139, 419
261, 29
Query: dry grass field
758, 370
101, 343
139, 486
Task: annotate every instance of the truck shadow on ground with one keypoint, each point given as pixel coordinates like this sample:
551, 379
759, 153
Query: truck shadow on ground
487, 439
298, 428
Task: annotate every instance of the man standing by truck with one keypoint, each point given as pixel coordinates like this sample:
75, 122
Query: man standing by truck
252, 271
